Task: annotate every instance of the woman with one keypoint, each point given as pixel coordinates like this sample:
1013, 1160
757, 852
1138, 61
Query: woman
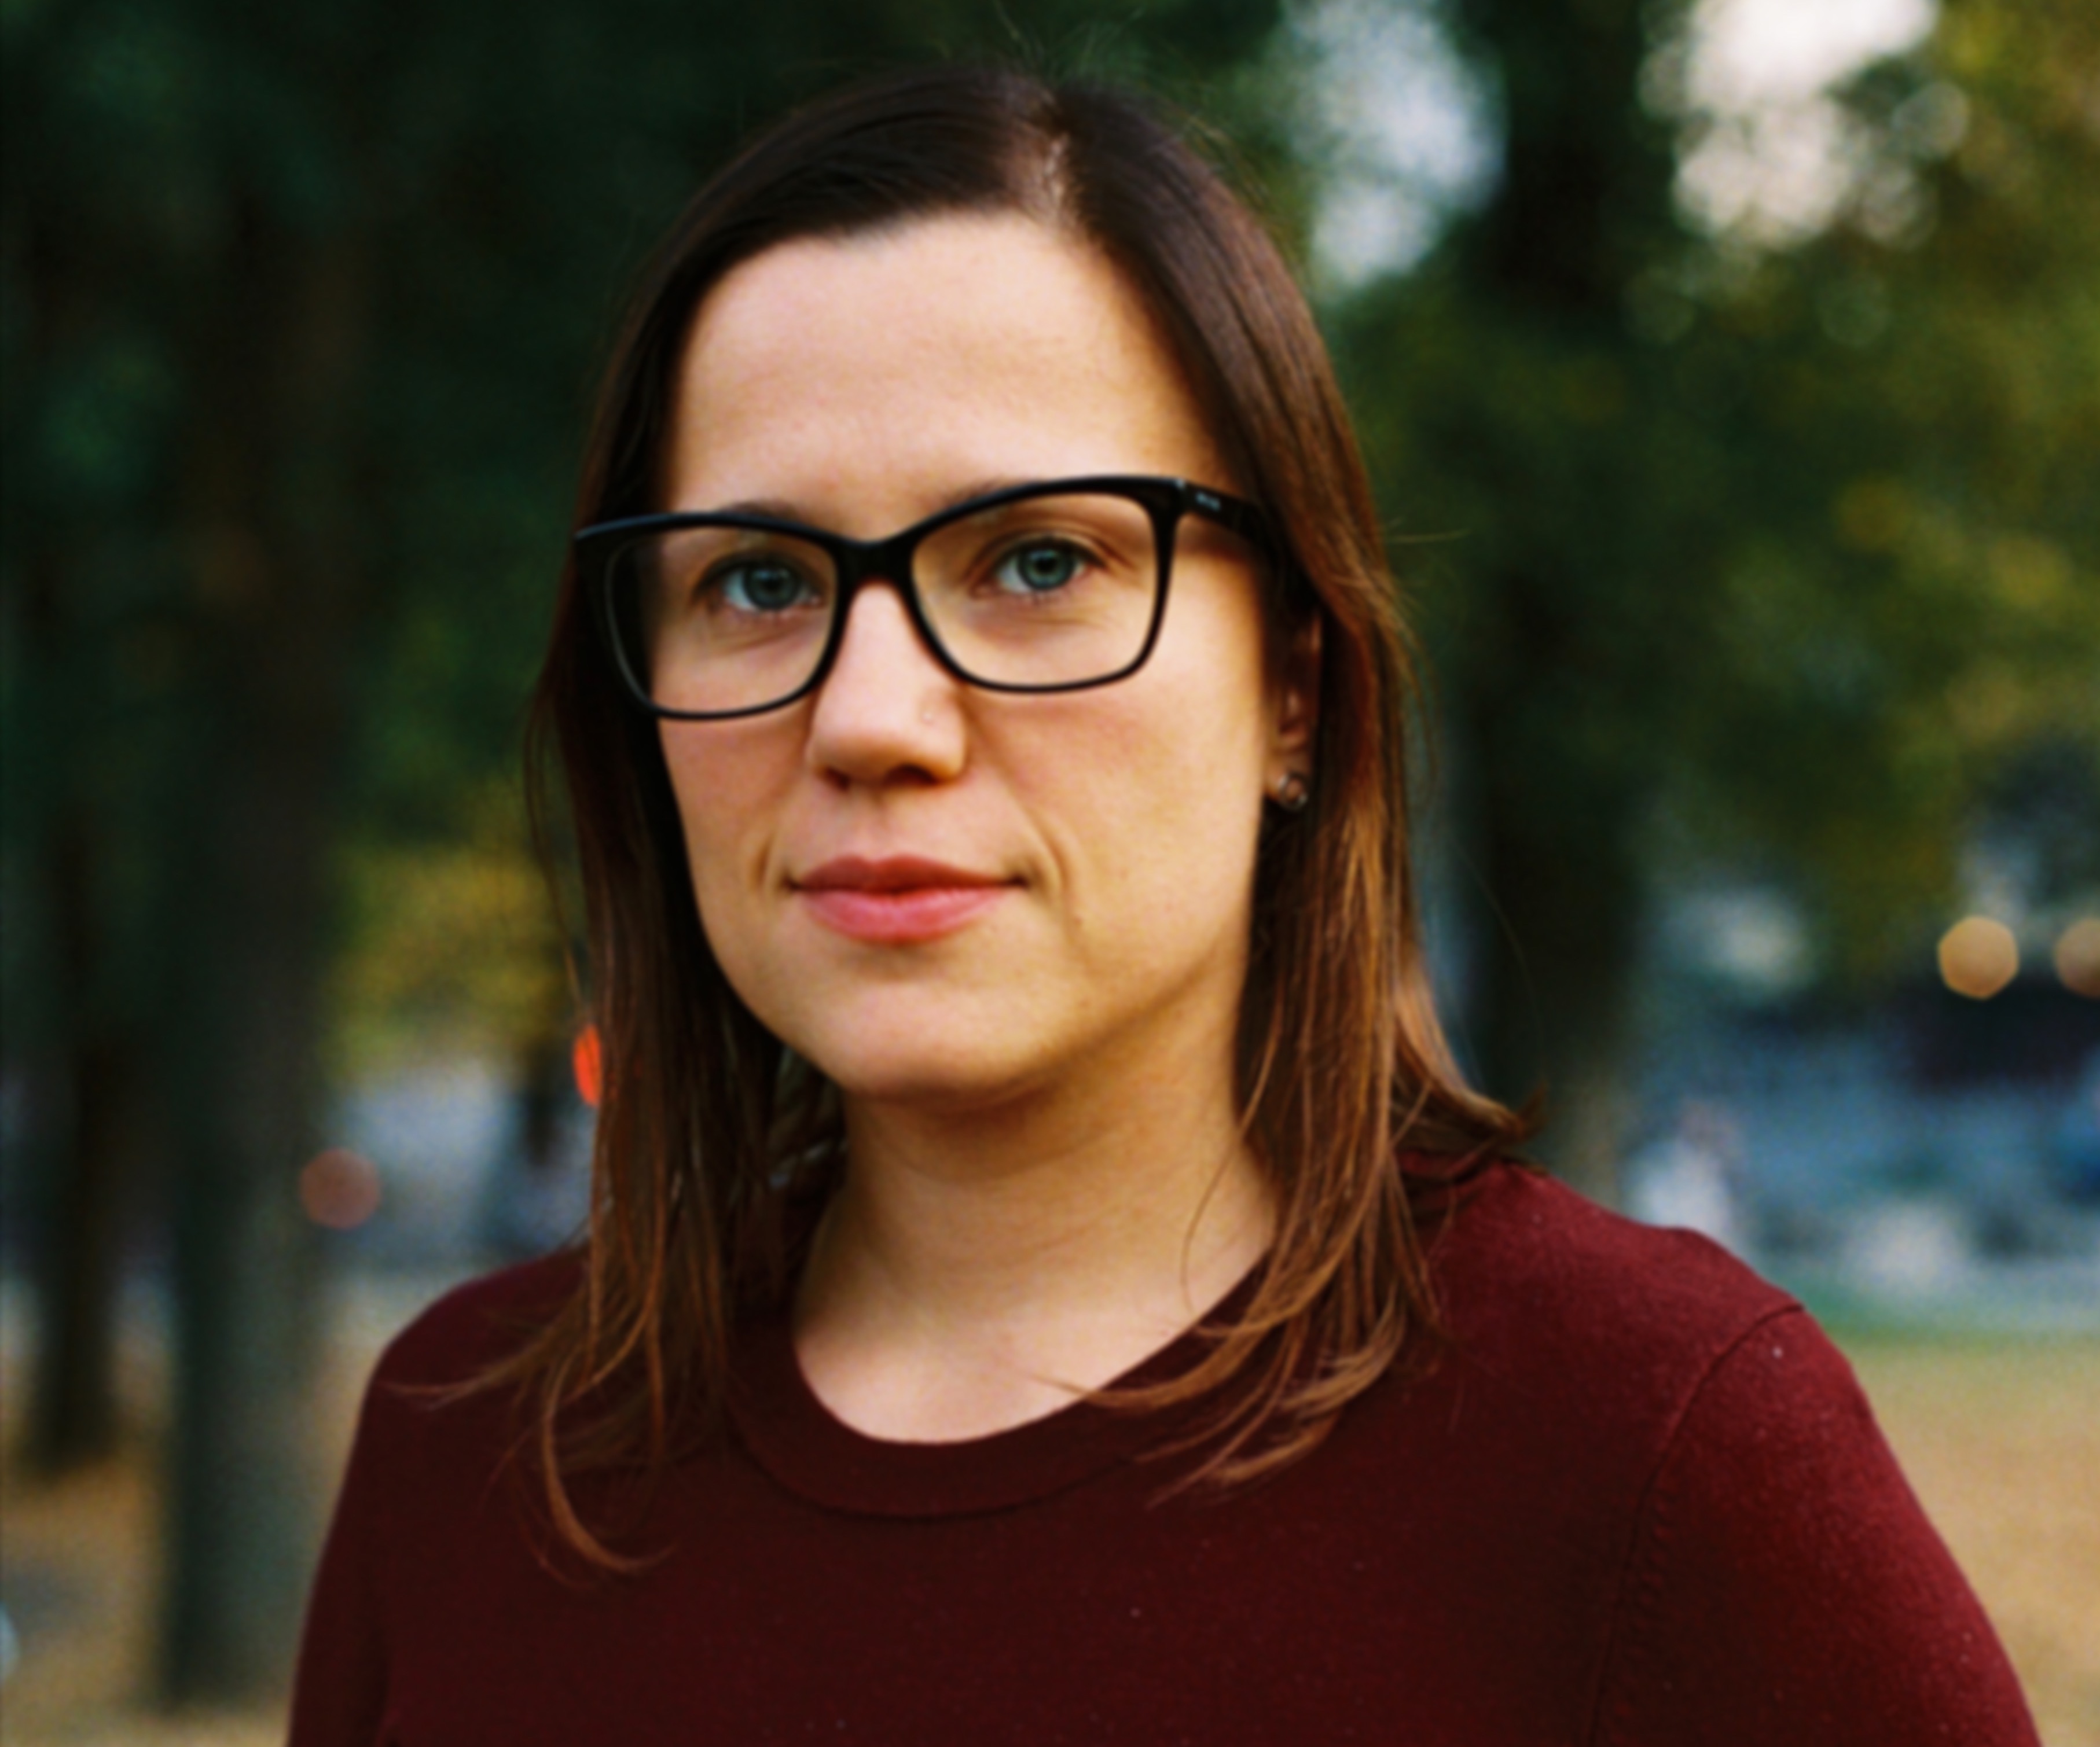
1046, 1281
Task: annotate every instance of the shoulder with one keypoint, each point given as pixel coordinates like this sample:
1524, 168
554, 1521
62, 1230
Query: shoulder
1679, 1440
1640, 1397
479, 1323
1579, 1341
1532, 1274
419, 1514
433, 1427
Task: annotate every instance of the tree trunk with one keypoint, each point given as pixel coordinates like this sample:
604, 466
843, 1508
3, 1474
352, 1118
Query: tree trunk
239, 1521
85, 1080
86, 1119
1557, 980
1585, 195
277, 540
87, 1075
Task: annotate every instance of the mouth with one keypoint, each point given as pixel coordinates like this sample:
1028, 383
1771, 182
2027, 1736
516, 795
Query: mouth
898, 899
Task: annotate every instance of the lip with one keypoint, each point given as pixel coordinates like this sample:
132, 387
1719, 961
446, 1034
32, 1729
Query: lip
895, 899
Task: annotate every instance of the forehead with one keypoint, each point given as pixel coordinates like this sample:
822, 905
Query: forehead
871, 378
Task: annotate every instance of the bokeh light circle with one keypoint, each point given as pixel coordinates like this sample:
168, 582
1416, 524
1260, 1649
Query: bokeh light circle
339, 1189
1978, 957
2078, 957
588, 1062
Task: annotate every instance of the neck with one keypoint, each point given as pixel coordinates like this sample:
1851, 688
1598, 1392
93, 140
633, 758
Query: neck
977, 1269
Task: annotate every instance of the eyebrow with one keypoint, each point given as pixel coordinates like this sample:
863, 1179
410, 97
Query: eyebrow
783, 509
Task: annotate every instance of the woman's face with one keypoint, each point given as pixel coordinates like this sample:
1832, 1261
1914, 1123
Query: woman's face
941, 896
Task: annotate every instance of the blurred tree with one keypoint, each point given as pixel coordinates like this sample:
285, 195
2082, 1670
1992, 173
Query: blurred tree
86, 707
298, 309
1774, 550
1919, 393
297, 306
1507, 402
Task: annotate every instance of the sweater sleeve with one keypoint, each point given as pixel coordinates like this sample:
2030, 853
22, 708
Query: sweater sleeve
1785, 1584
339, 1698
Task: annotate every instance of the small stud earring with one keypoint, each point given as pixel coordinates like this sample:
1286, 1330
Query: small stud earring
1292, 792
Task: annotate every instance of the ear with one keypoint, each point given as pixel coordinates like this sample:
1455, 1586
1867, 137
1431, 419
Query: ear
1297, 684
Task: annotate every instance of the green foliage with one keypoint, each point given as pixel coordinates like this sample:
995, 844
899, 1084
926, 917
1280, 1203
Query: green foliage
324, 287
1794, 549
1789, 545
456, 950
299, 306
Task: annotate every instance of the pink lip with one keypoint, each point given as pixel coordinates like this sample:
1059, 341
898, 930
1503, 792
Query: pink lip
896, 900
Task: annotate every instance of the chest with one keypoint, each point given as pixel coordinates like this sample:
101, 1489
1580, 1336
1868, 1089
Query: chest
1309, 1610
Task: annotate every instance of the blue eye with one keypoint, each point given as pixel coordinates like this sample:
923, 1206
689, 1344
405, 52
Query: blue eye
1040, 567
764, 586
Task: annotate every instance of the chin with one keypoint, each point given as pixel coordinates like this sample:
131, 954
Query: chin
935, 1081
936, 1063
927, 1042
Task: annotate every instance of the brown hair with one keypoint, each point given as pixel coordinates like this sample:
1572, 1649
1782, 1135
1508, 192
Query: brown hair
708, 1133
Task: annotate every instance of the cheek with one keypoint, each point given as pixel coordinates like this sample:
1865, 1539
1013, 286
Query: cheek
1212, 719
1160, 797
724, 779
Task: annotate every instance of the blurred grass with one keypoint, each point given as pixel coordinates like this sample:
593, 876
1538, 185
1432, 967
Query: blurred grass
2000, 1436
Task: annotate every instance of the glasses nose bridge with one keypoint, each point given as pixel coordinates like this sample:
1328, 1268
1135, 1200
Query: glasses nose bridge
883, 560
887, 561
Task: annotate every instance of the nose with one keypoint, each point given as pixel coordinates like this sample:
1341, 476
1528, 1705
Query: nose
888, 709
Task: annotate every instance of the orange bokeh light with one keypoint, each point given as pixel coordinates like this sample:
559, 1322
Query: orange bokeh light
339, 1189
588, 1060
2078, 957
1978, 957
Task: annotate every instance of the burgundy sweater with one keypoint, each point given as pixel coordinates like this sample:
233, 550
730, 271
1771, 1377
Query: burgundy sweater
1641, 1500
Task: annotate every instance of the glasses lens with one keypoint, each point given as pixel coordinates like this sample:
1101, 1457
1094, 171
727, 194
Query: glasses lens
713, 620
1057, 590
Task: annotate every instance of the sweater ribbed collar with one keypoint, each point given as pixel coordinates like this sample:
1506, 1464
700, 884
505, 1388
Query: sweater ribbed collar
798, 1441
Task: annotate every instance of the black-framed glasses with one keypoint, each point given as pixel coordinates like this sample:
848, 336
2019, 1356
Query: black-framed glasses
1051, 587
